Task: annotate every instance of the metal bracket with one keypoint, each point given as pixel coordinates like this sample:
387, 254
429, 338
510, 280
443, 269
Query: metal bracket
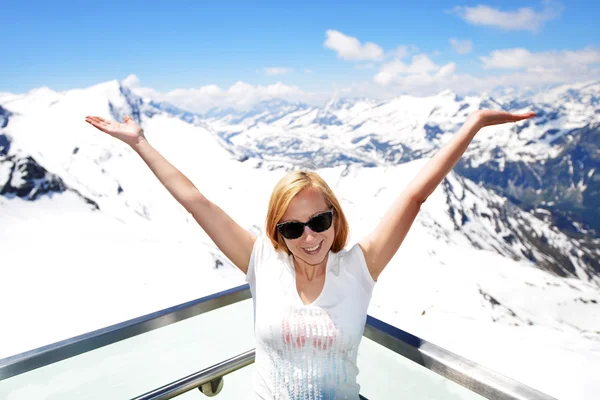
212, 388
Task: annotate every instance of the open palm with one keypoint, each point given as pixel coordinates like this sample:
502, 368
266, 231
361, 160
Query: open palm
494, 117
129, 132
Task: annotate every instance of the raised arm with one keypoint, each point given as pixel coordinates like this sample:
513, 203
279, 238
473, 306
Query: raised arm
382, 244
234, 241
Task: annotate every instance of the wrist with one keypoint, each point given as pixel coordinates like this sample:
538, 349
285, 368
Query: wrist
139, 142
477, 120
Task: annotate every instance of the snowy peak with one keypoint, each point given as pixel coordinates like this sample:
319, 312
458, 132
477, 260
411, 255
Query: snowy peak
35, 100
544, 164
587, 93
265, 112
25, 178
48, 151
491, 222
420, 125
449, 94
22, 176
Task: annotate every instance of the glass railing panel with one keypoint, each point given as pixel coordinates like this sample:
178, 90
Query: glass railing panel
131, 367
144, 363
384, 374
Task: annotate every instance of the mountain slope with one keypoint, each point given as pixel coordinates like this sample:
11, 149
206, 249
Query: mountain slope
476, 274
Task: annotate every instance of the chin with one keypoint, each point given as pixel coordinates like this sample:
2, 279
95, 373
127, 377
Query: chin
313, 260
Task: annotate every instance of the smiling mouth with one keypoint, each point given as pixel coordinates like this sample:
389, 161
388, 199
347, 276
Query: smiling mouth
314, 249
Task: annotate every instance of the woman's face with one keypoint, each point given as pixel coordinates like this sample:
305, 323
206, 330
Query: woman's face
303, 207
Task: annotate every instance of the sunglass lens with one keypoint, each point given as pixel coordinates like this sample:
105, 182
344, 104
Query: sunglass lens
321, 222
291, 230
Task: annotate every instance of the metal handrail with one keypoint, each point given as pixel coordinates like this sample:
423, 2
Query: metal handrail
199, 378
473, 376
40, 357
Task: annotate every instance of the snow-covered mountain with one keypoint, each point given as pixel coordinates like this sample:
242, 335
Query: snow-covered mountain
370, 131
546, 165
482, 257
560, 188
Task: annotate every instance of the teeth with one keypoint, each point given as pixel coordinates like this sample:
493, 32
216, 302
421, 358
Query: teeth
312, 248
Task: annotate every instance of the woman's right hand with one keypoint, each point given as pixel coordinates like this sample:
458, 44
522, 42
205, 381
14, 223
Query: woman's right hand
129, 132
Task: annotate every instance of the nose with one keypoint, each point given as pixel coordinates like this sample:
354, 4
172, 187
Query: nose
309, 234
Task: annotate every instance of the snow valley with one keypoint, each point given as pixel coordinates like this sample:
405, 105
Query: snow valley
501, 266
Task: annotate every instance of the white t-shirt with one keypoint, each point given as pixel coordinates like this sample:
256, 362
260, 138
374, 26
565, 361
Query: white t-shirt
307, 352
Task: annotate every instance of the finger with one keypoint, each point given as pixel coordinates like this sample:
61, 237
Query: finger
97, 122
95, 119
515, 117
103, 120
100, 125
91, 120
519, 117
94, 124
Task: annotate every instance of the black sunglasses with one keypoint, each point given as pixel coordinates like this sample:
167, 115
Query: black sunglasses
295, 229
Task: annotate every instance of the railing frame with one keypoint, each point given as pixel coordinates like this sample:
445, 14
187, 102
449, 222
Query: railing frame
30, 360
474, 377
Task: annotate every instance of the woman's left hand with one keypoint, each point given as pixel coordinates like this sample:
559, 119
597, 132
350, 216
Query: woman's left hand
493, 117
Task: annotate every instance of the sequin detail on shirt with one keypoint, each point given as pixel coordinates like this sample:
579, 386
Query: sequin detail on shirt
312, 363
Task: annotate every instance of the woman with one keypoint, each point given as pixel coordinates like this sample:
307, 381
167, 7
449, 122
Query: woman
310, 295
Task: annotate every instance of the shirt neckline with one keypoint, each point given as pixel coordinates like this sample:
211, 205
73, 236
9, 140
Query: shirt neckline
330, 256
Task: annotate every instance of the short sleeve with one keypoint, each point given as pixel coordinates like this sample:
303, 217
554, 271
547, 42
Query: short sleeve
356, 264
258, 254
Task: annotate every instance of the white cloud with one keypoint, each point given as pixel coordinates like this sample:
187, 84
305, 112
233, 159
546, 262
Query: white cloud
420, 76
448, 78
534, 77
461, 46
365, 66
524, 18
402, 51
208, 90
521, 59
384, 78
276, 71
278, 90
350, 48
390, 72
308, 71
465, 83
421, 63
131, 81
446, 71
543, 70
240, 95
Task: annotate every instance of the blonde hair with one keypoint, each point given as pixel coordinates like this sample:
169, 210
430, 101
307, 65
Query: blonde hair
283, 194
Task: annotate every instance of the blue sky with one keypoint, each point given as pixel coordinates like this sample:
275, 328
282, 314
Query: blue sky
190, 44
